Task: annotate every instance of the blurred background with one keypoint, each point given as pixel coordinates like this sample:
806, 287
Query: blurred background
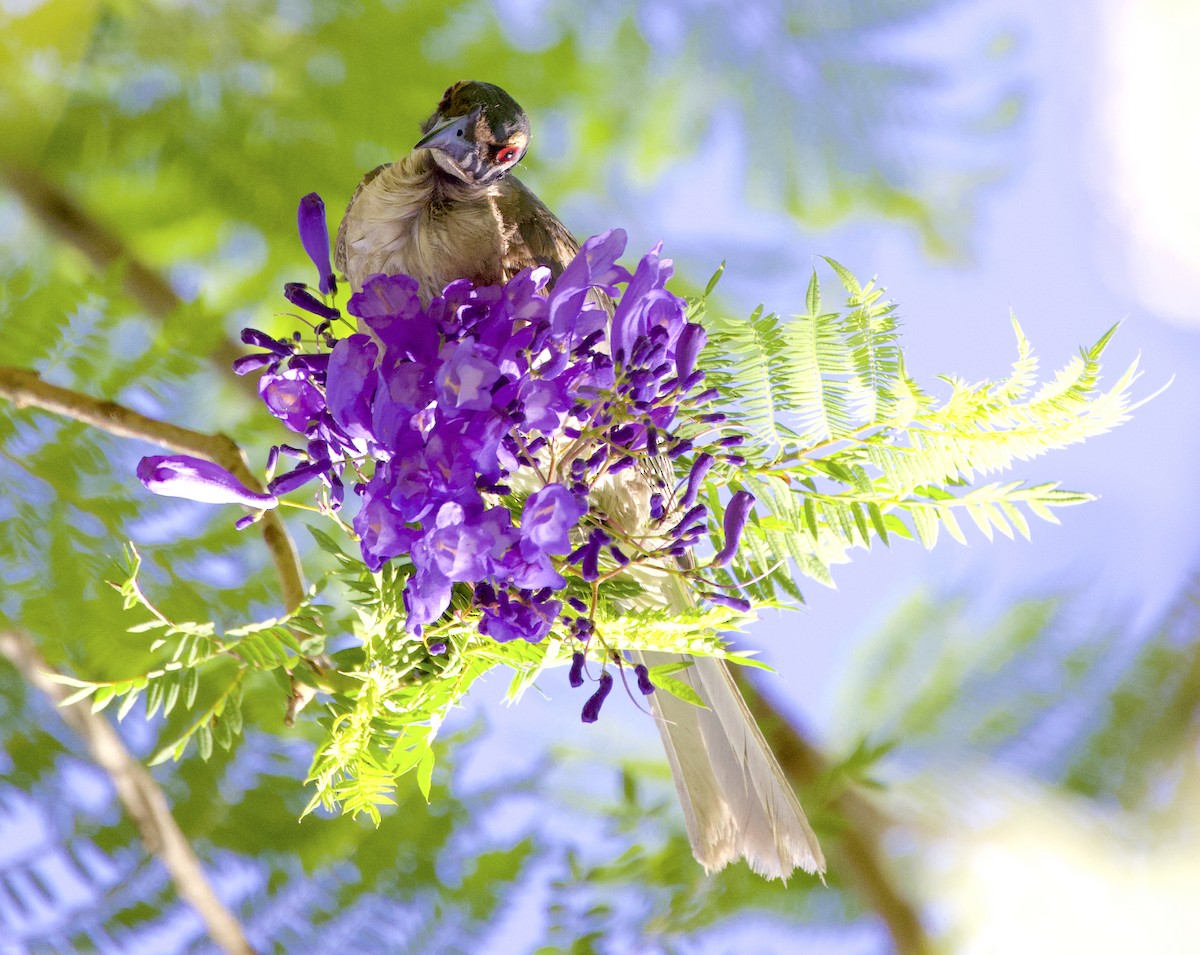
997, 743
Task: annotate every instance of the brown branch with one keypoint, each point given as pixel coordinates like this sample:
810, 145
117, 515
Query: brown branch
65, 219
142, 797
858, 853
25, 389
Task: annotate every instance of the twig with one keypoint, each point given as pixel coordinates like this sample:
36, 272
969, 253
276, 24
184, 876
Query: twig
862, 858
139, 793
67, 220
25, 389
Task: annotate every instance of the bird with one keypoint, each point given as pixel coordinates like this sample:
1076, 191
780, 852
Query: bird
452, 209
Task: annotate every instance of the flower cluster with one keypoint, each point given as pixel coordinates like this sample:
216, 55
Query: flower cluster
485, 436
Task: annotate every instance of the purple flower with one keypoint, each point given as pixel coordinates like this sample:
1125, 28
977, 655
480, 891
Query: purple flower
595, 265
548, 518
726, 600
644, 296
426, 595
301, 297
531, 571
252, 336
736, 515
588, 554
350, 385
249, 363
314, 236
381, 531
389, 306
526, 619
384, 298
462, 548
291, 396
181, 475
544, 403
465, 378
451, 406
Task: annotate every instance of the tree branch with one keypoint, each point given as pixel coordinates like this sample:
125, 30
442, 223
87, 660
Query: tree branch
142, 797
68, 221
861, 857
25, 389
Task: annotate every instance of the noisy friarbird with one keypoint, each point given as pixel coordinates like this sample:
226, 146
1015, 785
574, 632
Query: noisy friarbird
451, 209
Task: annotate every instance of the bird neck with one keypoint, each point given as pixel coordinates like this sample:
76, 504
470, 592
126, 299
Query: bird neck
448, 189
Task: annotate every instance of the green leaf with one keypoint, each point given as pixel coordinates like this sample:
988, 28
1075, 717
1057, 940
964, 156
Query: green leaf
716, 277
102, 697
680, 689
81, 694
191, 686
812, 298
425, 773
204, 741
126, 705
324, 541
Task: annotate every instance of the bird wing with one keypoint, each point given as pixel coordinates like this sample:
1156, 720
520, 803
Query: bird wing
535, 236
339, 246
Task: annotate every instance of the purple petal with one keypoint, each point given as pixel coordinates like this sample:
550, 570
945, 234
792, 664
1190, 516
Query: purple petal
314, 236
594, 264
350, 385
382, 532
389, 306
249, 363
291, 396
548, 518
426, 597
465, 378
181, 475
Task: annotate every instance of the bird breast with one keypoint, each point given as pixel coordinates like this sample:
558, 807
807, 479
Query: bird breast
410, 218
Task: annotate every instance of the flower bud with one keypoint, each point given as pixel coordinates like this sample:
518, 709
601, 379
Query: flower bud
736, 515
314, 236
591, 709
575, 677
181, 475
643, 679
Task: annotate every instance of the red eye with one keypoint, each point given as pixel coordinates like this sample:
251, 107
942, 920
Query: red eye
507, 154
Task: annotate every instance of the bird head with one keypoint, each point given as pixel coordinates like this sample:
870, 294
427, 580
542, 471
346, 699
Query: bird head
477, 133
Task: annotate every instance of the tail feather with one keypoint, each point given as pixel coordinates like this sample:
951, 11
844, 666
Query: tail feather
736, 801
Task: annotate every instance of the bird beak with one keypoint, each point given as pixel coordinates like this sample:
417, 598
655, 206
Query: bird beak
451, 138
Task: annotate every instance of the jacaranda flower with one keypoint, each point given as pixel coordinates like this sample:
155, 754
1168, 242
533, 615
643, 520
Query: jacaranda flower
181, 475
314, 236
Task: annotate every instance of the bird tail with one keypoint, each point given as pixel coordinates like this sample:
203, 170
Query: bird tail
736, 801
